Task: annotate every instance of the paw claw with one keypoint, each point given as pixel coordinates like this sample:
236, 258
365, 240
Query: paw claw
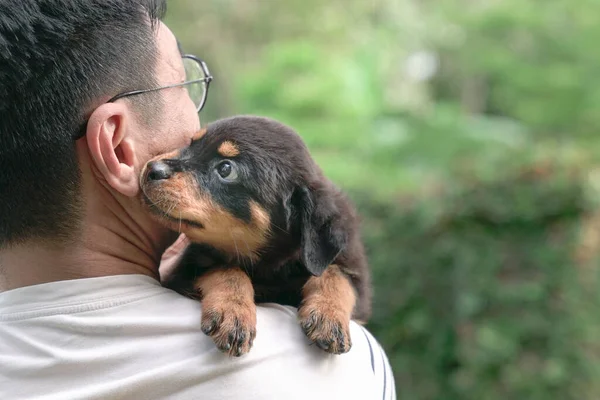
232, 327
328, 333
208, 329
324, 344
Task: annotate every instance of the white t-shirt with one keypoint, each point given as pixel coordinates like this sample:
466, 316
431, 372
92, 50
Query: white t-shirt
127, 337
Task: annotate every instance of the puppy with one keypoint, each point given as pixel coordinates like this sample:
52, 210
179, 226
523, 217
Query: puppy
265, 226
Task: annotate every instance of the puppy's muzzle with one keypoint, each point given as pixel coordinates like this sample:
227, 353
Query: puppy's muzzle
157, 171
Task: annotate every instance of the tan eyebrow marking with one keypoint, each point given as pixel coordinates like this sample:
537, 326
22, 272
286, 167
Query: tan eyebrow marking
228, 149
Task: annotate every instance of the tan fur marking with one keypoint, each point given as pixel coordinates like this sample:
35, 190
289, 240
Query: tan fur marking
199, 134
170, 197
328, 302
260, 217
228, 309
173, 194
180, 198
228, 149
224, 231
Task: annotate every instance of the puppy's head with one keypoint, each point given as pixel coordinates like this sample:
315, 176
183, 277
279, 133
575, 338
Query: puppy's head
243, 182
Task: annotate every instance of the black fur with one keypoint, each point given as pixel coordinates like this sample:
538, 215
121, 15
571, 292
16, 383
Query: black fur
313, 224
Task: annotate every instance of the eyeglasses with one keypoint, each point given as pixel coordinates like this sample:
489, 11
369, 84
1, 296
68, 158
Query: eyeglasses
197, 81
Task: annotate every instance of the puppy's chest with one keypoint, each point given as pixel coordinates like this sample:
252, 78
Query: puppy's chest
279, 283
276, 278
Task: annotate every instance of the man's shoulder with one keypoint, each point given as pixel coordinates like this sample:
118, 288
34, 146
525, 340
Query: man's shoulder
151, 338
283, 357
277, 325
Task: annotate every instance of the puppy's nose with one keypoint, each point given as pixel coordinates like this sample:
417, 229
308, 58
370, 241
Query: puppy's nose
158, 170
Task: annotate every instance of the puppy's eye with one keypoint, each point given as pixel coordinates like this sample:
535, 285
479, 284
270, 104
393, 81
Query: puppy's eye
227, 170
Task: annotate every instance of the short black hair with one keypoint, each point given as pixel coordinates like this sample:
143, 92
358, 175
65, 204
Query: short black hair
57, 59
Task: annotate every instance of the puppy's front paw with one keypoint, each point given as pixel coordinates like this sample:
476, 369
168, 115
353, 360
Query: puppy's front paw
232, 326
326, 309
327, 326
228, 309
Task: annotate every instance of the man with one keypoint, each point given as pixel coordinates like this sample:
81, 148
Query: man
89, 91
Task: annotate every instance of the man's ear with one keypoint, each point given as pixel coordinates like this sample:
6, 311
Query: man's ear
322, 236
111, 149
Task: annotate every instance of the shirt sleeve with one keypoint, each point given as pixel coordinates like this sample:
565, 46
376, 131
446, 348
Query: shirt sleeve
297, 369
381, 368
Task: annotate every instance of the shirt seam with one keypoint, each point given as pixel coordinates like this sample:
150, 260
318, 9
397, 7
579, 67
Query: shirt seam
76, 308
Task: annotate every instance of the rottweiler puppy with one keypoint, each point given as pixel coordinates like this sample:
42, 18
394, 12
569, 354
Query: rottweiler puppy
265, 226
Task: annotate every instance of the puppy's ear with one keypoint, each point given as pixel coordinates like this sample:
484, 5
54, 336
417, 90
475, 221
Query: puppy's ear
321, 231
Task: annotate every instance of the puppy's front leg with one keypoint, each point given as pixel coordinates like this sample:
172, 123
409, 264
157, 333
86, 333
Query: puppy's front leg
326, 309
228, 309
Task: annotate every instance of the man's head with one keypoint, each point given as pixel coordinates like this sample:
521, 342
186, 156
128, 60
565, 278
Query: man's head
60, 62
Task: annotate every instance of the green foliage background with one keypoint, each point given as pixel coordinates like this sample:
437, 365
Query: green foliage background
466, 132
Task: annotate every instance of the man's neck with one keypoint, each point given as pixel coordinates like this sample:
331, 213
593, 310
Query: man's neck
32, 264
111, 244
118, 238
